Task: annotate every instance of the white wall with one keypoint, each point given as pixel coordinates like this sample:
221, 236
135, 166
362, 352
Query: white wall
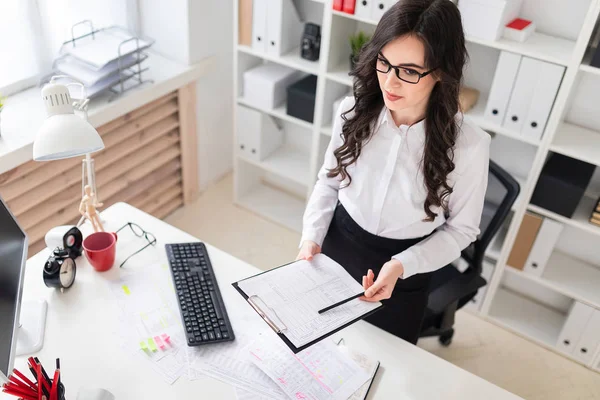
189, 31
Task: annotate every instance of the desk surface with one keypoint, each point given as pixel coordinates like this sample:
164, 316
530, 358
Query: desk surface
79, 330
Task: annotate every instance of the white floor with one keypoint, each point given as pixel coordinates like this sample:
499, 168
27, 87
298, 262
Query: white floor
480, 347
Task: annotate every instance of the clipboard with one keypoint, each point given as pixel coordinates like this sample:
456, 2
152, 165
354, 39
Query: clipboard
277, 325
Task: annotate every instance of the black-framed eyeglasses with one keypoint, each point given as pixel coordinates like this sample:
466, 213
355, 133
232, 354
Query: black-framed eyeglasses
405, 74
139, 232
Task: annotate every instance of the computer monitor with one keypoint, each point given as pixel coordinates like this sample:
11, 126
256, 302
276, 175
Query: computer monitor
21, 326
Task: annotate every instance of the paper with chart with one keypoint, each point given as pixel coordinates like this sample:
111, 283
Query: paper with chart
321, 372
149, 326
229, 362
292, 295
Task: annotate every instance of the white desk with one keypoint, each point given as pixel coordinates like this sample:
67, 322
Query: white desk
79, 330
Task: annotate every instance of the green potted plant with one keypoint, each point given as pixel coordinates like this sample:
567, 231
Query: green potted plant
357, 42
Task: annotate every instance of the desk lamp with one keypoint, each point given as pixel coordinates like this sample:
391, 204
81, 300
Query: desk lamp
64, 134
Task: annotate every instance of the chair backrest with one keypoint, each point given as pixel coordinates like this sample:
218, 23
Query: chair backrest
501, 194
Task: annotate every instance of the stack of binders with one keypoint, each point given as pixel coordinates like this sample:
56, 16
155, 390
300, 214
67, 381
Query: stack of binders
523, 93
276, 27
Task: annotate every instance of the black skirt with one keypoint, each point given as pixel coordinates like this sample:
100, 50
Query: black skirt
358, 251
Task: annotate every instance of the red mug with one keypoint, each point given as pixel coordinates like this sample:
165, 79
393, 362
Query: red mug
100, 249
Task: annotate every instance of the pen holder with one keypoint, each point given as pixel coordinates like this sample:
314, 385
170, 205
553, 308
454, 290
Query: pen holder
40, 387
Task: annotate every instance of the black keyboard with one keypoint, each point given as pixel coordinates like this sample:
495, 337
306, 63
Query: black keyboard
202, 309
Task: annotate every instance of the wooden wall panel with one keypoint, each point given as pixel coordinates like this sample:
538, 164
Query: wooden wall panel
146, 162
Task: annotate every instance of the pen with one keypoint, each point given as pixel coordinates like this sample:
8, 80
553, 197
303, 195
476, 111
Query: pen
15, 382
24, 378
45, 378
18, 393
21, 390
339, 303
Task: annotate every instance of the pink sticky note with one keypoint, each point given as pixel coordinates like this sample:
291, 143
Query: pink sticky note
166, 338
159, 342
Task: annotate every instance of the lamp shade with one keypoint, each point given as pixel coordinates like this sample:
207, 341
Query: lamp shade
63, 134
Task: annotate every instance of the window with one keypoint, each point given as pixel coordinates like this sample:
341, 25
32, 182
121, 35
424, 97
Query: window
32, 32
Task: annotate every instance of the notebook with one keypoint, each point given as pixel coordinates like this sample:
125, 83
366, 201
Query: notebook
289, 297
369, 365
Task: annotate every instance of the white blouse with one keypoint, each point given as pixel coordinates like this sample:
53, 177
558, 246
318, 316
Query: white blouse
387, 192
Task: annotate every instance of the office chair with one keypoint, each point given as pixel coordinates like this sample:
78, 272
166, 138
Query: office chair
450, 289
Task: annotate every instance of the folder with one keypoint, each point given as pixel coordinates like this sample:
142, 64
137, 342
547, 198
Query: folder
502, 85
259, 25
379, 8
245, 22
338, 5
289, 297
258, 135
548, 77
589, 340
524, 242
522, 94
543, 247
349, 6
284, 28
572, 330
363, 8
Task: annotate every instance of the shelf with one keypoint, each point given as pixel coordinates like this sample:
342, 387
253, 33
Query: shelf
585, 63
275, 205
354, 17
340, 74
580, 218
476, 116
526, 317
543, 47
577, 142
288, 162
291, 59
569, 276
279, 112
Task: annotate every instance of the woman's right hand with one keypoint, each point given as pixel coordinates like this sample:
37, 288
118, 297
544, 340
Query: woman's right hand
308, 250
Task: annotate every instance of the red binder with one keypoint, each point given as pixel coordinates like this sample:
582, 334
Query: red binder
338, 5
349, 6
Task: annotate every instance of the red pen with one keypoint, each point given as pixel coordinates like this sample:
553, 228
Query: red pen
19, 394
18, 388
54, 390
24, 378
38, 369
14, 381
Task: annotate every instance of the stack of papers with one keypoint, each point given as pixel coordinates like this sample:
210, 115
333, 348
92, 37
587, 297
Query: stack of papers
258, 363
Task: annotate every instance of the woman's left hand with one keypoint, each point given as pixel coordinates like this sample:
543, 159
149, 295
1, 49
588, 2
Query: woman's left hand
383, 286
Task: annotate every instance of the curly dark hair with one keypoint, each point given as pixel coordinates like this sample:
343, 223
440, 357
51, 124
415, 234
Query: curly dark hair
437, 23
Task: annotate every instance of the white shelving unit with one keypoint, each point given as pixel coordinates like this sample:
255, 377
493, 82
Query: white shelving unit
278, 187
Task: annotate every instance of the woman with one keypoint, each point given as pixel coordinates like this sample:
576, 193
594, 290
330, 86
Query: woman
401, 191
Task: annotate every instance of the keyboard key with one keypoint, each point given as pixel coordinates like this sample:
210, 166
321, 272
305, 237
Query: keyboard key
218, 335
225, 335
205, 336
211, 335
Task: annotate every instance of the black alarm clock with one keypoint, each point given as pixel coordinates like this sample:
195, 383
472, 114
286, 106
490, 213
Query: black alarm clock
60, 270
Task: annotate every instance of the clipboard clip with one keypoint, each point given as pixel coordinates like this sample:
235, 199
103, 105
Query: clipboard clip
264, 316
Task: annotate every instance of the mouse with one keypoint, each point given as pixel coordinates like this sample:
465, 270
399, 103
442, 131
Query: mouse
94, 394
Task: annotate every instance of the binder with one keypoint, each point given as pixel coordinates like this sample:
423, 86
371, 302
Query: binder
522, 94
543, 247
259, 25
590, 338
502, 85
349, 6
245, 23
524, 242
363, 8
549, 77
288, 300
338, 5
379, 8
284, 28
572, 330
258, 135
